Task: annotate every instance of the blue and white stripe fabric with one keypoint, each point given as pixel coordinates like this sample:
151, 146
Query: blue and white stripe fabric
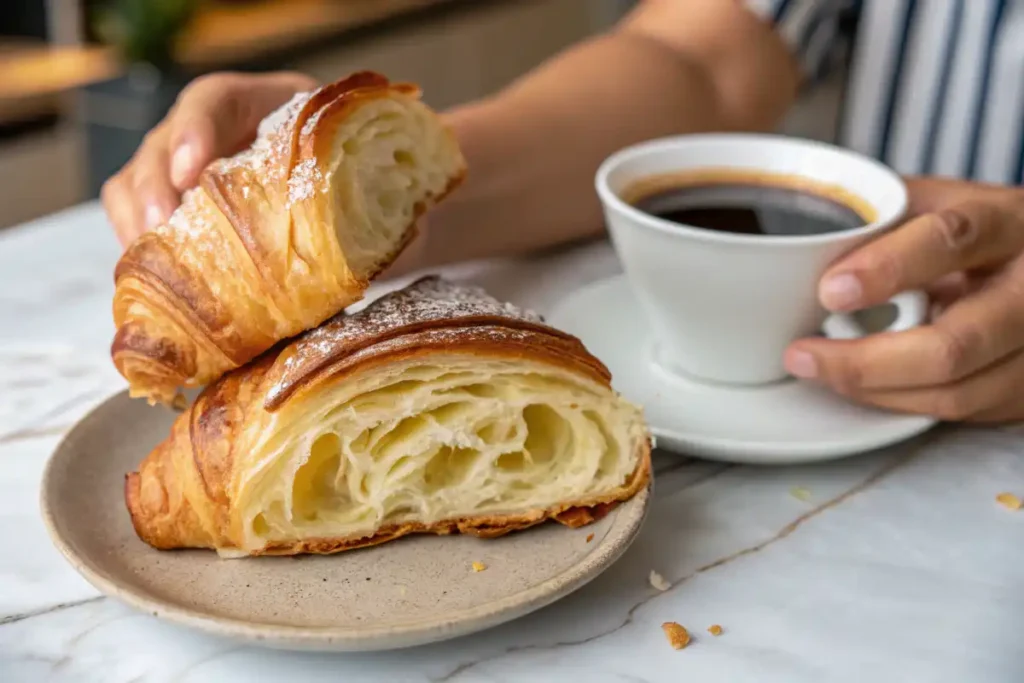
932, 86
811, 28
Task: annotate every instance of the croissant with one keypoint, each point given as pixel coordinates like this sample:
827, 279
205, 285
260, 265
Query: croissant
282, 236
436, 409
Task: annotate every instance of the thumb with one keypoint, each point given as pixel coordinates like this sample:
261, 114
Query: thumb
217, 115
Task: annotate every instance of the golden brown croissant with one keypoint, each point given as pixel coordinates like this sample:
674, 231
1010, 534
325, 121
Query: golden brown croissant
436, 409
279, 238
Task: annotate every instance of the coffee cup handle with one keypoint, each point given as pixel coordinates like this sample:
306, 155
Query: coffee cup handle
911, 311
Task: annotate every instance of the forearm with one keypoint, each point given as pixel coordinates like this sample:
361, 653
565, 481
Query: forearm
533, 149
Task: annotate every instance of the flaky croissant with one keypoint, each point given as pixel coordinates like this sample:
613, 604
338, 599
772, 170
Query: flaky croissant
436, 409
279, 238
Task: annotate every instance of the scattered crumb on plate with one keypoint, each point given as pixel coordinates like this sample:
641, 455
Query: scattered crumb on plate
479, 566
658, 581
800, 493
590, 537
677, 636
1009, 501
715, 630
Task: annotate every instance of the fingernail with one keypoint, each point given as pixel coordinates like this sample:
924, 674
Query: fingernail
841, 291
154, 216
801, 364
183, 163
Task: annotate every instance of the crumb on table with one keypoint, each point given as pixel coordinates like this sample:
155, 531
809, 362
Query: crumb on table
590, 537
715, 630
800, 493
658, 581
479, 566
1009, 501
677, 636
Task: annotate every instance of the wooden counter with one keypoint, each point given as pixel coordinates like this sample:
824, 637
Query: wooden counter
33, 76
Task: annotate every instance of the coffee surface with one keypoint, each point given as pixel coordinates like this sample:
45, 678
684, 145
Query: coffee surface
751, 209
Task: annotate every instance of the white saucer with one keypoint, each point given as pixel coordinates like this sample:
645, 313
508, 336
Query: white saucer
788, 422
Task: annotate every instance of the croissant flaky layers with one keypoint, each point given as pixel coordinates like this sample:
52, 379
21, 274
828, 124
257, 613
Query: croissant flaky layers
435, 409
282, 236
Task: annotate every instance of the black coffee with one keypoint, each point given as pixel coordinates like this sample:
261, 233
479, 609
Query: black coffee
751, 209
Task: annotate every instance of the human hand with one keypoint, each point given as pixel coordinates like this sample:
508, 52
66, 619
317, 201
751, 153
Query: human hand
215, 116
964, 244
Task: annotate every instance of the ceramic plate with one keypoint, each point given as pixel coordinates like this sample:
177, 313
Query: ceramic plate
776, 424
409, 592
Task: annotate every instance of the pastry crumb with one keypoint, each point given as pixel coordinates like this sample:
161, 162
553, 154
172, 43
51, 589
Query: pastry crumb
678, 637
590, 537
800, 493
1009, 501
479, 566
658, 581
179, 402
715, 630
401, 590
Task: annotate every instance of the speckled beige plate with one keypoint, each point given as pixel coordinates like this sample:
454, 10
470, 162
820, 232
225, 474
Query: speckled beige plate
412, 591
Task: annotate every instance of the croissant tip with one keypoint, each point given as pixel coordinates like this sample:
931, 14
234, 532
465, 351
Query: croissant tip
145, 519
132, 487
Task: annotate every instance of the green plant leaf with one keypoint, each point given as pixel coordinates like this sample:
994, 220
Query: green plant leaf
144, 30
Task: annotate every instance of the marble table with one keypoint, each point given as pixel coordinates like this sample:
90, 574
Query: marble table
892, 566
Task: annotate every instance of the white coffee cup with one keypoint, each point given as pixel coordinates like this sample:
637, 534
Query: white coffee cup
724, 306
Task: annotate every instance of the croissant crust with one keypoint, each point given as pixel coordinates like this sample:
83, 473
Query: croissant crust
280, 237
203, 485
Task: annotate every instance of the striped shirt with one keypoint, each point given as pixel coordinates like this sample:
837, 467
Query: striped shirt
930, 87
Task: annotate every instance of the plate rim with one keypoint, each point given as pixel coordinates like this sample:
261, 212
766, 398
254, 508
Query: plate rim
630, 517
732, 450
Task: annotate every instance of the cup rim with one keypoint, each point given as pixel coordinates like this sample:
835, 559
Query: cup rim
611, 199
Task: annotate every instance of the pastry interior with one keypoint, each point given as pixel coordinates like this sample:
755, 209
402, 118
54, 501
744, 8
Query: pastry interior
416, 442
388, 158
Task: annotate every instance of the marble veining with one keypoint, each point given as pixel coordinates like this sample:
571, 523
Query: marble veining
11, 618
886, 467
892, 566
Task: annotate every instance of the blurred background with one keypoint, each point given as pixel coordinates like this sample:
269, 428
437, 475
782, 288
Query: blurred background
81, 81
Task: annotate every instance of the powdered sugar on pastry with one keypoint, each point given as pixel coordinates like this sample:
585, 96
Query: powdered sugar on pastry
273, 139
304, 181
284, 116
193, 227
430, 300
191, 221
